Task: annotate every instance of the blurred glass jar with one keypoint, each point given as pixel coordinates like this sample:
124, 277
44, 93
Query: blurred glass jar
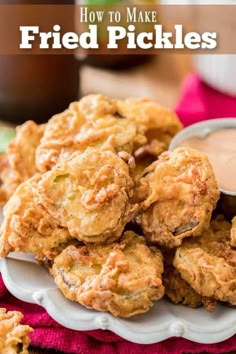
117, 61
36, 86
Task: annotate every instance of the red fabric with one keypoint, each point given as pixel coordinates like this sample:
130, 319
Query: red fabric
198, 102
49, 334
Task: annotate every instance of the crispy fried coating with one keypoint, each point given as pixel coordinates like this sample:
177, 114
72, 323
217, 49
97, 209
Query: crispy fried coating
233, 233
21, 150
209, 303
19, 162
181, 195
145, 155
208, 263
122, 278
5, 174
27, 227
94, 121
89, 194
13, 335
156, 122
176, 288
154, 149
115, 125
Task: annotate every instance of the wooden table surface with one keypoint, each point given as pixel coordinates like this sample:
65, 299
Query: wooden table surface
159, 80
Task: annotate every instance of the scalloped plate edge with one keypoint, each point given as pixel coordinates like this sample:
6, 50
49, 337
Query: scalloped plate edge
173, 327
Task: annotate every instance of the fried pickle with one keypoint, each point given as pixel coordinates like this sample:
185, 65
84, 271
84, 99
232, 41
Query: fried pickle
176, 288
233, 233
154, 121
122, 278
181, 193
94, 121
5, 175
89, 194
158, 124
27, 227
115, 125
208, 263
13, 335
18, 164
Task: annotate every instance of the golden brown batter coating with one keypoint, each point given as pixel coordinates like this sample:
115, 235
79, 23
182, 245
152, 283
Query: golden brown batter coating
94, 121
208, 263
19, 161
13, 335
93, 158
181, 195
156, 122
176, 288
145, 155
233, 233
122, 278
89, 194
115, 125
5, 174
27, 227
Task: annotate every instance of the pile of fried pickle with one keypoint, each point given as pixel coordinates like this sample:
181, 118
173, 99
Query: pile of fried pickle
14, 336
117, 219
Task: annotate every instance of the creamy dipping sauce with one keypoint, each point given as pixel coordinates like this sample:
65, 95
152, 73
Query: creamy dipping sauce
220, 146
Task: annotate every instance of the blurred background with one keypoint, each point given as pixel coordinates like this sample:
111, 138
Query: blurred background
158, 79
196, 86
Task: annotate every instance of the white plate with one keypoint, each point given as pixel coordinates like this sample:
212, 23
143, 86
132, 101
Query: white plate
32, 283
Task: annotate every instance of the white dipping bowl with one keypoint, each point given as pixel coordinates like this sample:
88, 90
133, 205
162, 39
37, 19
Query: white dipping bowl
201, 130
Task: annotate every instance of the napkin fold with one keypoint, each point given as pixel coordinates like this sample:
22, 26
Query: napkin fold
197, 102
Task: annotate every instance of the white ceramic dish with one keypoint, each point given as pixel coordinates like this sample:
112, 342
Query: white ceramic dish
32, 283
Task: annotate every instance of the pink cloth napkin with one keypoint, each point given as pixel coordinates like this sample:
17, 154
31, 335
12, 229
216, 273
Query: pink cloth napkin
197, 102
